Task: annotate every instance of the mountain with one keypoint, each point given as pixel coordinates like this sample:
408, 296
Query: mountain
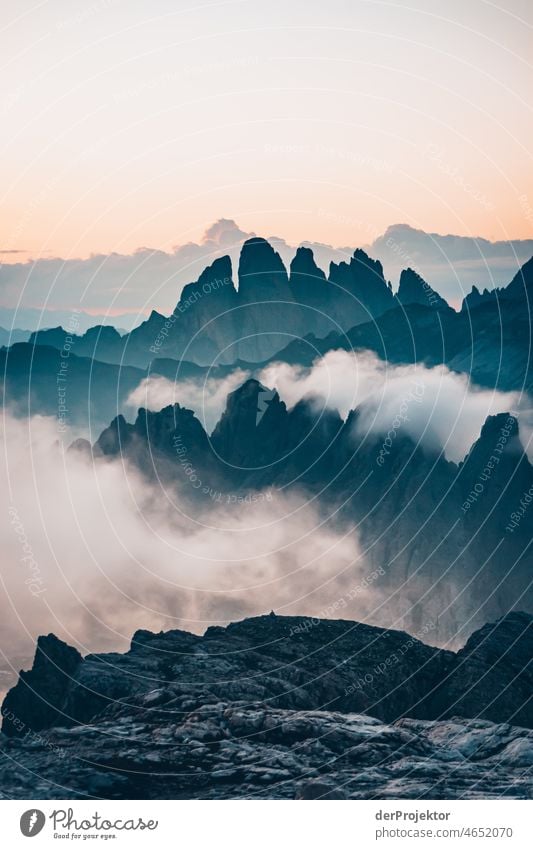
38, 379
307, 280
452, 263
214, 322
296, 317
275, 707
47, 317
414, 290
361, 289
489, 339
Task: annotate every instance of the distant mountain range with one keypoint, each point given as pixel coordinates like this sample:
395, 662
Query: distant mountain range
451, 263
298, 315
214, 322
293, 317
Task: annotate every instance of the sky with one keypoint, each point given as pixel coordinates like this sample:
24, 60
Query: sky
134, 124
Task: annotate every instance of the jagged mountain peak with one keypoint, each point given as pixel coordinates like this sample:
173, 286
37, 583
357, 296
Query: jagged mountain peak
263, 278
520, 289
496, 471
413, 289
362, 258
361, 286
39, 691
499, 438
303, 263
290, 708
220, 268
170, 419
102, 332
257, 255
388, 486
61, 687
235, 432
521, 286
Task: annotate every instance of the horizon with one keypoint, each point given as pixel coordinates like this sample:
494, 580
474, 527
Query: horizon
108, 286
11, 257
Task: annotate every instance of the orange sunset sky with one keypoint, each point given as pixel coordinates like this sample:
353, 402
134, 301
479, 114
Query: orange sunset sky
129, 124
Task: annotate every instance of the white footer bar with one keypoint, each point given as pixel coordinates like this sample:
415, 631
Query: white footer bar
268, 824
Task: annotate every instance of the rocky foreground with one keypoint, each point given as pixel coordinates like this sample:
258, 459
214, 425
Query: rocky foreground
276, 707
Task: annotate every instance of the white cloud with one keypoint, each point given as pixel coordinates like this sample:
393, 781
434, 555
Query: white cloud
107, 553
440, 408
207, 398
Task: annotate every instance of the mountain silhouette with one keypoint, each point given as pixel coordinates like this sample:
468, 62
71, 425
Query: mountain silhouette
295, 317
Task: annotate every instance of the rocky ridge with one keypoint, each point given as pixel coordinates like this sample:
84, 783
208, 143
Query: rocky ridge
276, 707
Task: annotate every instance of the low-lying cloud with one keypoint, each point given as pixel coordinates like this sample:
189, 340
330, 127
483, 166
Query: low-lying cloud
439, 408
92, 553
207, 398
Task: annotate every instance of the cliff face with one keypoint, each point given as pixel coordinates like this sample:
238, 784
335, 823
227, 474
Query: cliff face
414, 290
277, 707
36, 701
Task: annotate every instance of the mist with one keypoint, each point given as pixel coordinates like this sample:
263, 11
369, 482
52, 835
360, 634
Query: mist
441, 409
93, 552
207, 398
436, 407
